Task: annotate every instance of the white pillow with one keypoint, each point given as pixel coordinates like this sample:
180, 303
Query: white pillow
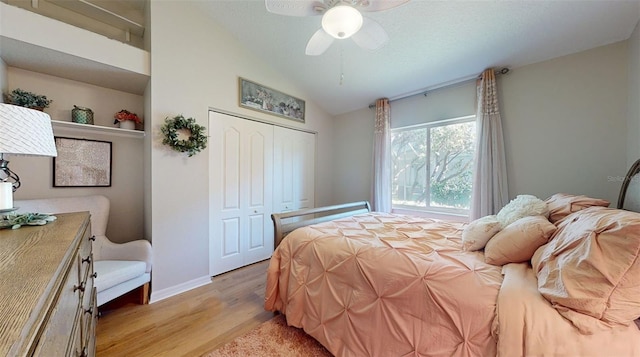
522, 206
477, 233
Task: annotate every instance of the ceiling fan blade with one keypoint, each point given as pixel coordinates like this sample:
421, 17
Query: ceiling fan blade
295, 7
379, 5
371, 35
318, 43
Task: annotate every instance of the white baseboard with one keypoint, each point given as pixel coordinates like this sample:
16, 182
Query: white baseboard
178, 289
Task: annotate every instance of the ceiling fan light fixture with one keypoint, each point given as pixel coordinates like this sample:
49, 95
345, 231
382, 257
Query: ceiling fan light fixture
342, 21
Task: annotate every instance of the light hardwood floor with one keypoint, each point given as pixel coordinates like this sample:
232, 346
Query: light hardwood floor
191, 323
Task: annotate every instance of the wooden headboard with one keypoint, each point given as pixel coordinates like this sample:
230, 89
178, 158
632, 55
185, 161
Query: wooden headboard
285, 223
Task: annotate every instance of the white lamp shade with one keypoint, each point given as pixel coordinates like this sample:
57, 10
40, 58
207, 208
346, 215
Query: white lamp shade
342, 21
25, 131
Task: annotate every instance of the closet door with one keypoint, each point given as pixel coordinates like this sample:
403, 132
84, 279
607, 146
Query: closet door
294, 169
241, 173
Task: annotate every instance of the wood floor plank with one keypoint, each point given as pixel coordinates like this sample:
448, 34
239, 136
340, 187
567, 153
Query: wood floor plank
189, 324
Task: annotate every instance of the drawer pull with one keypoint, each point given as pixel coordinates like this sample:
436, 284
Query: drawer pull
94, 275
80, 287
87, 259
92, 238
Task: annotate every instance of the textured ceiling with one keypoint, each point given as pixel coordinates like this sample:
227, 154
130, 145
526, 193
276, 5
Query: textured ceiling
431, 43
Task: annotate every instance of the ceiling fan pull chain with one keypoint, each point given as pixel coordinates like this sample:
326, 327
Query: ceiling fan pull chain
341, 64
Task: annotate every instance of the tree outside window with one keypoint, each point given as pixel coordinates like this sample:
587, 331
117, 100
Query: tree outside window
433, 165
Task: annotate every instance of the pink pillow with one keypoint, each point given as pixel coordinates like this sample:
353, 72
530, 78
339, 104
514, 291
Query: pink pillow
591, 267
561, 205
518, 241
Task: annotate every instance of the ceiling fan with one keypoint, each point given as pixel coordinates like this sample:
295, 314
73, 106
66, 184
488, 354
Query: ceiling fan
341, 19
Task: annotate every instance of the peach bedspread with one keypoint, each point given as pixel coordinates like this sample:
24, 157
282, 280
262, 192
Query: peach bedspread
386, 285
527, 324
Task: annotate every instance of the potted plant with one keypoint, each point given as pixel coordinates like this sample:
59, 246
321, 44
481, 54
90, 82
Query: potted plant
126, 119
27, 99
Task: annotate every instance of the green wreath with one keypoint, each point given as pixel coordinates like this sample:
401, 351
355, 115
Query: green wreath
197, 139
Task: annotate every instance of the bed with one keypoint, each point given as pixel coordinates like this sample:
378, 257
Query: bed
374, 284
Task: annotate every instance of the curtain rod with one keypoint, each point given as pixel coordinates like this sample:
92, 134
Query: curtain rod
424, 92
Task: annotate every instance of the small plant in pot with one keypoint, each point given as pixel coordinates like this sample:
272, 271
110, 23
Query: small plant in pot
126, 119
27, 99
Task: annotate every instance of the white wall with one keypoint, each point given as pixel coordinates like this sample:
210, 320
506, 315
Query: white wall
352, 161
564, 122
3, 78
3, 70
446, 103
633, 131
195, 66
126, 191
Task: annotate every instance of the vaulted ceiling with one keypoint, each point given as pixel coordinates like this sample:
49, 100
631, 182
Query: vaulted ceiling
430, 42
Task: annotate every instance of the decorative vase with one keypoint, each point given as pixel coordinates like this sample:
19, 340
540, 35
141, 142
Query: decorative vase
128, 124
81, 115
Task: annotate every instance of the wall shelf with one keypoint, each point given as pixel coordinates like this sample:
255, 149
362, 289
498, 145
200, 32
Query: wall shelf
73, 53
76, 128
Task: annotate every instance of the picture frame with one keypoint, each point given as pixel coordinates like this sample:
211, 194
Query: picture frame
82, 163
257, 97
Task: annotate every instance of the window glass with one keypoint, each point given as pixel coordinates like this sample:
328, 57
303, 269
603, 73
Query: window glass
433, 165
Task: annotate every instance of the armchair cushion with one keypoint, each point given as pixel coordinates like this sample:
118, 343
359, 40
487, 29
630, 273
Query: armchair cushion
114, 272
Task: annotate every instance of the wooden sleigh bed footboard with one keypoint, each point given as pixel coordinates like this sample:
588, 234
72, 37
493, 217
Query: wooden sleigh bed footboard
286, 222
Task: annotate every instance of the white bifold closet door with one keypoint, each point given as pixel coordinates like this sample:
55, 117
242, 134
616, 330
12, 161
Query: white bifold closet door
294, 169
241, 173
255, 169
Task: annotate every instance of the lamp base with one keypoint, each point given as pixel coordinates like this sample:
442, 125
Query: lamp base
7, 175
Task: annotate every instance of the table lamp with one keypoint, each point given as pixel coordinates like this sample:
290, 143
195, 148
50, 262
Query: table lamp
23, 131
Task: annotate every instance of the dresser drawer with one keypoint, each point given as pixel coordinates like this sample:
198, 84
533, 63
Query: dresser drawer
89, 322
59, 329
64, 333
75, 341
85, 260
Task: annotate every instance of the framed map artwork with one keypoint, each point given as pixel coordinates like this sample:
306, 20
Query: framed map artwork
82, 163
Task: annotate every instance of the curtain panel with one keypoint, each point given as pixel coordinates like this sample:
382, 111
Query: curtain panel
490, 189
382, 157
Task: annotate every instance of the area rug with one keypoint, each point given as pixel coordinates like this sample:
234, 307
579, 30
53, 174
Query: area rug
272, 339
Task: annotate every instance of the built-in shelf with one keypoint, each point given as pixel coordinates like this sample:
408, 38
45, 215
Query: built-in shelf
76, 128
27, 41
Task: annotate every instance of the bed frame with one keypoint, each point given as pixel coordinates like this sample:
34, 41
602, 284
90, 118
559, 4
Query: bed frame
628, 180
285, 223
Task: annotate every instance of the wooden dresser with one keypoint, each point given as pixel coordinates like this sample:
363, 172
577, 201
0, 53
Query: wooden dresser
47, 297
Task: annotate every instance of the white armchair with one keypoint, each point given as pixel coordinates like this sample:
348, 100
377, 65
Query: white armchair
121, 267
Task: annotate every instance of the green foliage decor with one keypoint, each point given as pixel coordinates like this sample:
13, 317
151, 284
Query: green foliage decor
26, 99
196, 142
15, 221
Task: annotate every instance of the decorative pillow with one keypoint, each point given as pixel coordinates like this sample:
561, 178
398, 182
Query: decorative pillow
477, 233
561, 205
591, 267
522, 206
518, 241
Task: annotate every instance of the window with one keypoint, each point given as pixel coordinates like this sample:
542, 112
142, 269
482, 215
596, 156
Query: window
433, 166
